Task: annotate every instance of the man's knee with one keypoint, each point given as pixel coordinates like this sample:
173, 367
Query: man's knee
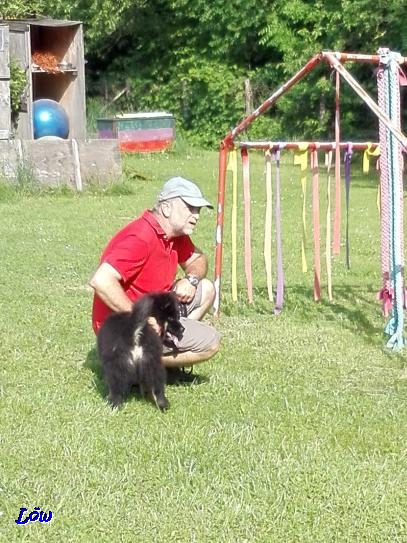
214, 349
213, 342
208, 292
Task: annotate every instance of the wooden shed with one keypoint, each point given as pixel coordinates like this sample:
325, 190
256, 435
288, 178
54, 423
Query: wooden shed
52, 54
5, 119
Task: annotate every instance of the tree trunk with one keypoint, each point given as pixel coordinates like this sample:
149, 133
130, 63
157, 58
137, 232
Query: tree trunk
248, 96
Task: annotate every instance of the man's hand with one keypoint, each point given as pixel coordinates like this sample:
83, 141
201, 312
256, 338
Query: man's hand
154, 325
184, 291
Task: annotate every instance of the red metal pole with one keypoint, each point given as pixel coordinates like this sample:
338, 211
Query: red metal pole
336, 245
290, 145
219, 225
357, 57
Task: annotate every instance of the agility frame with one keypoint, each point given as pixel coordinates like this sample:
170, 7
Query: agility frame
334, 60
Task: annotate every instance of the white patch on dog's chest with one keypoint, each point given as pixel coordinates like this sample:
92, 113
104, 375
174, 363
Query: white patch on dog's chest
137, 351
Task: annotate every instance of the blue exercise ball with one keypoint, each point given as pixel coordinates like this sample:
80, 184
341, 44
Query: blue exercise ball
49, 119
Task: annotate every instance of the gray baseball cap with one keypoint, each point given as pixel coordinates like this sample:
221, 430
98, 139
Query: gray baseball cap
179, 187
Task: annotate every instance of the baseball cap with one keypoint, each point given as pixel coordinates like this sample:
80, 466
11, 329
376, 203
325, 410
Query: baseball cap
179, 187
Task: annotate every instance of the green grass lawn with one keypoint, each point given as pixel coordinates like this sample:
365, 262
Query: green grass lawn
295, 432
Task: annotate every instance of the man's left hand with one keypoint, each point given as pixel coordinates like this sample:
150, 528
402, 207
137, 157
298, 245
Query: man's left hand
184, 291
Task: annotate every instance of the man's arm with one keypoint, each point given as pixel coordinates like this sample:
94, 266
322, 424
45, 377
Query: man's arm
196, 265
106, 284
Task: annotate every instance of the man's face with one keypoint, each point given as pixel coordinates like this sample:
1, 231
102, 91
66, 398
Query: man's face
183, 218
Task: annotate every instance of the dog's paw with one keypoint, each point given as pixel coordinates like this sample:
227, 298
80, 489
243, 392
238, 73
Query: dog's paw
161, 402
165, 406
115, 402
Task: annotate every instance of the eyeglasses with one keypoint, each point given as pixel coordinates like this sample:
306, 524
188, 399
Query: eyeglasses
192, 209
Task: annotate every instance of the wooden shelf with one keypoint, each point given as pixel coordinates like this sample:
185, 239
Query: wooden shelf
38, 70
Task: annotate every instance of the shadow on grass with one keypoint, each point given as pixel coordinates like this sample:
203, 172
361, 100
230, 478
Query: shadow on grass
92, 363
354, 308
357, 311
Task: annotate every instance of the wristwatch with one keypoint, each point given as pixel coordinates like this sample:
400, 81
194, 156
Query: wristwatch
193, 280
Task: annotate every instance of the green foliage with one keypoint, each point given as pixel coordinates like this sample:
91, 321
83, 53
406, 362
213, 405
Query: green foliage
209, 49
13, 9
204, 91
24, 183
18, 84
211, 93
19, 9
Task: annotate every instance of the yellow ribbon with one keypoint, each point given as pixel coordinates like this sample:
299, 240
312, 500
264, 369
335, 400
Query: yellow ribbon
232, 166
369, 151
301, 159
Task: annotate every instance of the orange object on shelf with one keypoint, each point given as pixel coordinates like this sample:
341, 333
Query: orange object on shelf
46, 60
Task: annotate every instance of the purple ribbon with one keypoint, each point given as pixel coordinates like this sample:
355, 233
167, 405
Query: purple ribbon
347, 160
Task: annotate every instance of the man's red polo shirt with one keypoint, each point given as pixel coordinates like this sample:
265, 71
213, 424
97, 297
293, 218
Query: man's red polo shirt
145, 258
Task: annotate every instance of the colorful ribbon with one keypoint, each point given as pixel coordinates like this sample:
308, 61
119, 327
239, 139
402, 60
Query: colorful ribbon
301, 158
232, 166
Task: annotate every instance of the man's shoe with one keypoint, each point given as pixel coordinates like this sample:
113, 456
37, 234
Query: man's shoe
177, 376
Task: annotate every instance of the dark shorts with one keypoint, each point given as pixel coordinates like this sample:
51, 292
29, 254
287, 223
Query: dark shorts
197, 337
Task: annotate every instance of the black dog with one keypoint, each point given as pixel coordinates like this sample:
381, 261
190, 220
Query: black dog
130, 349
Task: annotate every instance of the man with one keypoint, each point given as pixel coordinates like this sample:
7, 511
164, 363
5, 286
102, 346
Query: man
144, 257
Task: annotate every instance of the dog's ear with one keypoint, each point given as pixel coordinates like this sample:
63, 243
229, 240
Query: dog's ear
175, 328
169, 306
169, 302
